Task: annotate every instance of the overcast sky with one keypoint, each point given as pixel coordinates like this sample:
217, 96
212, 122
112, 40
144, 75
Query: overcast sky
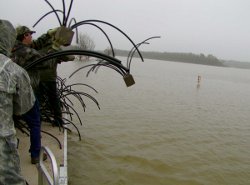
217, 27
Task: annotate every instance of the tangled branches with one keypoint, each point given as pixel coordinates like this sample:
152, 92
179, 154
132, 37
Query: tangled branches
66, 92
66, 95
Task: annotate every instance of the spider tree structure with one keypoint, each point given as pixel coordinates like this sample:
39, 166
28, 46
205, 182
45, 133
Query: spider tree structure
110, 61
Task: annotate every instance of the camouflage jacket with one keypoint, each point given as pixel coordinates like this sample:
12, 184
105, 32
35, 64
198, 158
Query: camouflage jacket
50, 74
24, 55
41, 42
16, 94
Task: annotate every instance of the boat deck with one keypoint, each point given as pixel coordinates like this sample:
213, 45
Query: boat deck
29, 170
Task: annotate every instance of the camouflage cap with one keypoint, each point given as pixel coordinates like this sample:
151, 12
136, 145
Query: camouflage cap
21, 30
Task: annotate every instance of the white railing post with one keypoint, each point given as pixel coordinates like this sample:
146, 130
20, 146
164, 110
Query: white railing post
43, 174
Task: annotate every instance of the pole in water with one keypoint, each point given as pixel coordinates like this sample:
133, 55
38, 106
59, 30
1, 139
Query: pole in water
199, 79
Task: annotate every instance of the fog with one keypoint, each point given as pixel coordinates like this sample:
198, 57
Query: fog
217, 27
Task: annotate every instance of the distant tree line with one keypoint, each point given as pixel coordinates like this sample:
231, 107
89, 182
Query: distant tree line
177, 57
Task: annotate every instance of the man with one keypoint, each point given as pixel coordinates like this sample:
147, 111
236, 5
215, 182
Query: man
16, 97
25, 51
23, 54
48, 87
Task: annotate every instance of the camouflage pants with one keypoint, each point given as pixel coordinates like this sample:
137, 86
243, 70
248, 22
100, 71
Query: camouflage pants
10, 172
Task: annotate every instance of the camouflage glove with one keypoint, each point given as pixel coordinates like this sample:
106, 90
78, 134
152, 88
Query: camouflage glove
71, 57
52, 32
56, 45
66, 58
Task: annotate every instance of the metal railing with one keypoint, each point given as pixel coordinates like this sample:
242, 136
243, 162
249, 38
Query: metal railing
60, 176
63, 171
43, 173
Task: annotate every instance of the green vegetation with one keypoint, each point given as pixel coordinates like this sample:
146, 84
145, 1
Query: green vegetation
177, 57
188, 58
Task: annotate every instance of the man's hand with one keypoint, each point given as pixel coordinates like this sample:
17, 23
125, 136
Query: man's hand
52, 32
71, 57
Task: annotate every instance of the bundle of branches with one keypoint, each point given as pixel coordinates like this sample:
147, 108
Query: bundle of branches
63, 22
66, 92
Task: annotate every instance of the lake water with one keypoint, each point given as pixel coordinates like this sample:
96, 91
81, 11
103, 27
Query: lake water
166, 129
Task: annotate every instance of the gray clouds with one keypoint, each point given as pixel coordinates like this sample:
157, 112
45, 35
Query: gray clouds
218, 27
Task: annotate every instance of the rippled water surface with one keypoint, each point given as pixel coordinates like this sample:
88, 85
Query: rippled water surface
166, 129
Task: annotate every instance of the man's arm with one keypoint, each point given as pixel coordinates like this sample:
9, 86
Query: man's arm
44, 40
